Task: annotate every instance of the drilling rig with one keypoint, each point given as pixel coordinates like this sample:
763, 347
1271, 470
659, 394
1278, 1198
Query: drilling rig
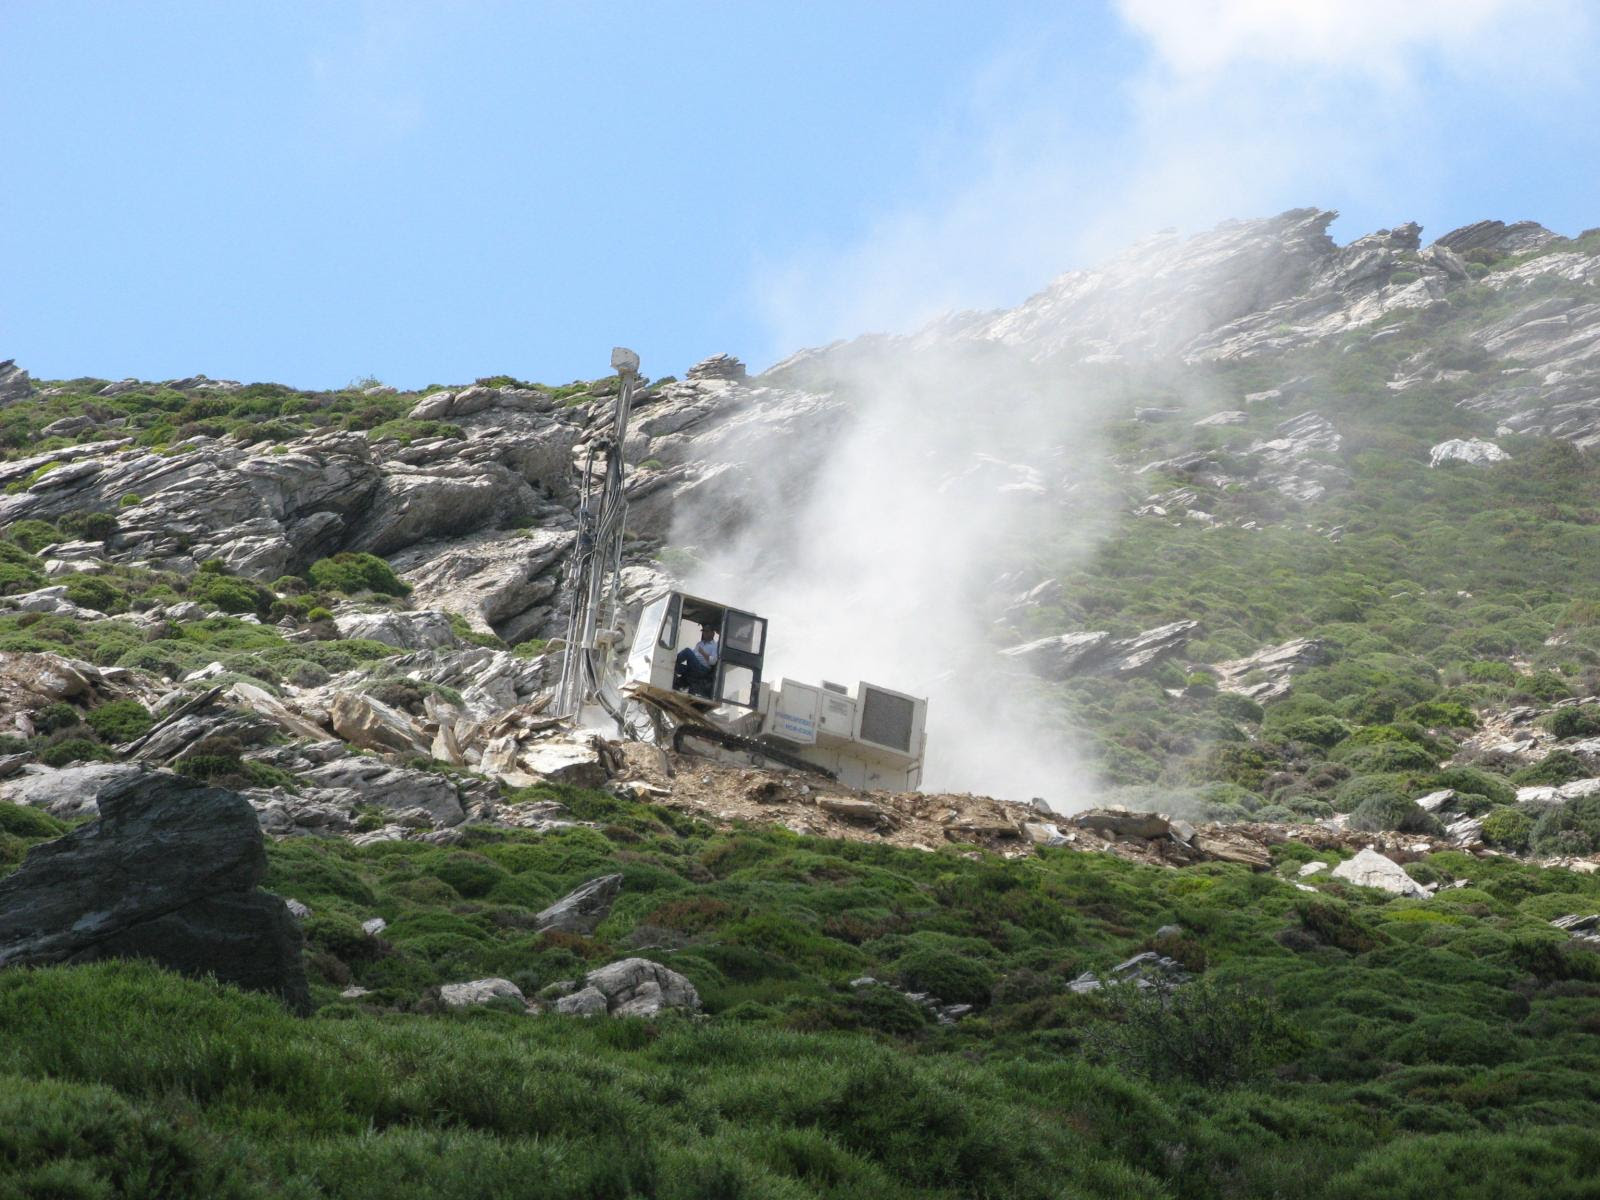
871, 736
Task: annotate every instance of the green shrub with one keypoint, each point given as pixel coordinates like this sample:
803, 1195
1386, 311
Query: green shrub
406, 430
68, 1139
1315, 731
1381, 813
88, 526
16, 578
1335, 924
129, 500
1235, 707
1576, 721
1569, 828
1470, 780
1508, 829
1528, 1164
1384, 757
1445, 714
20, 820
71, 750
55, 717
1207, 1032
32, 535
350, 573
1544, 685
229, 593
91, 591
120, 721
1556, 768
953, 977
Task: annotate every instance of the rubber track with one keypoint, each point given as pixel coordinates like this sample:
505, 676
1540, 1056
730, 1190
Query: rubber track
750, 745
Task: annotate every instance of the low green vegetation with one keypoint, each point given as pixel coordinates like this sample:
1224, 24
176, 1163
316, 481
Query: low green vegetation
353, 573
1341, 1044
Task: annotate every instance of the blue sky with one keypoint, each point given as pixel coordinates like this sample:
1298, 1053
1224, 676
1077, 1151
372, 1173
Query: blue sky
313, 192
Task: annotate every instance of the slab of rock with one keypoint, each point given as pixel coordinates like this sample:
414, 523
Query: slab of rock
1234, 850
1371, 869
263, 703
1058, 657
480, 991
501, 583
1119, 822
397, 789
718, 366
637, 987
14, 383
1435, 801
860, 812
70, 793
1277, 666
407, 630
1474, 452
373, 725
583, 908
169, 872
1067, 655
564, 760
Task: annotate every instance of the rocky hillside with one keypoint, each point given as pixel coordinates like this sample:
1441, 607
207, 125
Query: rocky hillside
1367, 469
1293, 545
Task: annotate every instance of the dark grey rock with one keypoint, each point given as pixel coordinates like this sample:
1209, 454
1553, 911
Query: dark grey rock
169, 872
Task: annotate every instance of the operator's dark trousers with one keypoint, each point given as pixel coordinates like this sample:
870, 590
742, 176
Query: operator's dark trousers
689, 674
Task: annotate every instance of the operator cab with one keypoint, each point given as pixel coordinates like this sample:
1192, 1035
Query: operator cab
671, 624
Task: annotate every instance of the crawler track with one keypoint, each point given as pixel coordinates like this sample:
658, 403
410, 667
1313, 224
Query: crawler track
759, 750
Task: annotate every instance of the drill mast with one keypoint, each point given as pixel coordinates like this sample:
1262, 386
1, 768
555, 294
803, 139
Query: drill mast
595, 574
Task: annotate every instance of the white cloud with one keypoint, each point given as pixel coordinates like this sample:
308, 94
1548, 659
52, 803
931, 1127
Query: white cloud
1197, 38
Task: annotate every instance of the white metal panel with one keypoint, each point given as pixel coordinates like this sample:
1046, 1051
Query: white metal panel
794, 713
838, 714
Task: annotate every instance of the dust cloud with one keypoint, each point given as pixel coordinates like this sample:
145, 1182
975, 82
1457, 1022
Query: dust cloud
879, 549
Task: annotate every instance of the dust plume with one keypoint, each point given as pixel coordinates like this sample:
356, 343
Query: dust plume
946, 467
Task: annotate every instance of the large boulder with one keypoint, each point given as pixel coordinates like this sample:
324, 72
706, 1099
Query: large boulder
1475, 452
169, 872
1371, 869
634, 987
477, 992
373, 725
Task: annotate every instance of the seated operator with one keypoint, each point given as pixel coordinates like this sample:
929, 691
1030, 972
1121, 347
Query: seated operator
695, 670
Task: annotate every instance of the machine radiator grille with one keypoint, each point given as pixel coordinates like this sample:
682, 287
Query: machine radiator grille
886, 719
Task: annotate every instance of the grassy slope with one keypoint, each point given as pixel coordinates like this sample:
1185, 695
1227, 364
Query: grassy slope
1411, 1048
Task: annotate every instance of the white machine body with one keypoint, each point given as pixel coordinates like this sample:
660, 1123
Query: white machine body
873, 737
